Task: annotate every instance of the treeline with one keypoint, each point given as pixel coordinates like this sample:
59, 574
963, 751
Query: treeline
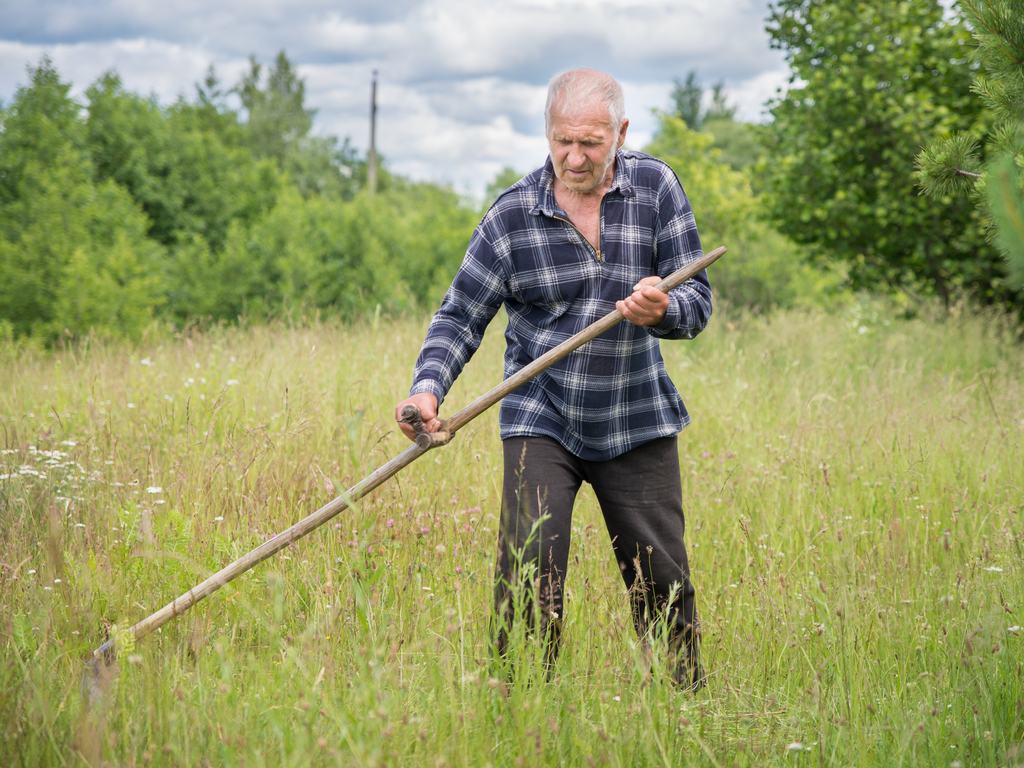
119, 210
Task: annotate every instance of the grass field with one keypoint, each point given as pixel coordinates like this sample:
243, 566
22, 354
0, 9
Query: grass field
855, 523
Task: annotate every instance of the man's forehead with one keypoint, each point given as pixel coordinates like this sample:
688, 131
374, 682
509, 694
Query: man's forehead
588, 117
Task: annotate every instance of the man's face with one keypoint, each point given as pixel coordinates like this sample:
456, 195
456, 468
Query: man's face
583, 145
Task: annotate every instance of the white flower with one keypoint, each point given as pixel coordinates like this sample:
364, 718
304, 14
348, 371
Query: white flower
154, 489
232, 382
218, 518
146, 361
131, 405
995, 569
1012, 630
796, 745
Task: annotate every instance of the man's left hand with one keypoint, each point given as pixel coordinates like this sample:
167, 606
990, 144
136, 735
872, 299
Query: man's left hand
647, 305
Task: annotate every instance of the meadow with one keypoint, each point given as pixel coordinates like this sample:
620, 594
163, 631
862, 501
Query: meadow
855, 522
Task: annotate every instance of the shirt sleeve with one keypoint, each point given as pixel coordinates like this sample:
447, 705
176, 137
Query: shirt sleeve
678, 244
455, 332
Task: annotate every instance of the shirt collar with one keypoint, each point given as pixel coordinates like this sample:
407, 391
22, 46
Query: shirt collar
546, 204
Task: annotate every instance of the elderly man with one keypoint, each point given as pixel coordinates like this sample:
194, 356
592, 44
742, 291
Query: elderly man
594, 228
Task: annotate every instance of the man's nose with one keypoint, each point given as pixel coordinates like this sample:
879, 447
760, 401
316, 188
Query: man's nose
577, 156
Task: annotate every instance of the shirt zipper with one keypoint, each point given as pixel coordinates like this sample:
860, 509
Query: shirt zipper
597, 253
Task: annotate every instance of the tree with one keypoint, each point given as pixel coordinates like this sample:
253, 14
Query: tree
686, 98
188, 165
871, 82
278, 125
277, 114
74, 255
763, 269
737, 141
720, 108
953, 165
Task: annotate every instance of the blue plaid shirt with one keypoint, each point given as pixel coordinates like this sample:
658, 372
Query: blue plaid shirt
613, 393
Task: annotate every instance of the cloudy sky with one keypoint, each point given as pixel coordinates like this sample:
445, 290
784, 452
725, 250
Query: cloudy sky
461, 82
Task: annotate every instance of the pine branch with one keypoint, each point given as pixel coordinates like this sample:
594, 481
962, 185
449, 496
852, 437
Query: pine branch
949, 166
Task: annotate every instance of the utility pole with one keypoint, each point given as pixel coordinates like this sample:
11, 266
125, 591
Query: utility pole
371, 170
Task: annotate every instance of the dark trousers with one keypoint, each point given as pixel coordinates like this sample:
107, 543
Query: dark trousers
641, 500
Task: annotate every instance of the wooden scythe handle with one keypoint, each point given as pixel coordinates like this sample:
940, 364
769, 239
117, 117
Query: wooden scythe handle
424, 442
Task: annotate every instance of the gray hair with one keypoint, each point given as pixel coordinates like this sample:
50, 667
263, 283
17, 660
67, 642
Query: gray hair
576, 88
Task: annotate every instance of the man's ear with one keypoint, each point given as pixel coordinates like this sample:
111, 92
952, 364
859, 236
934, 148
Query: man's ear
622, 133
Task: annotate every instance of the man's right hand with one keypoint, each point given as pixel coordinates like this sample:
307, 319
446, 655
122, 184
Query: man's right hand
427, 403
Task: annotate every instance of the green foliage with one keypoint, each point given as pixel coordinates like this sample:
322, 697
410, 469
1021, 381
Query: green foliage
738, 144
502, 181
318, 165
1006, 203
762, 269
871, 83
949, 165
398, 249
719, 109
686, 98
952, 165
131, 210
277, 115
187, 166
74, 257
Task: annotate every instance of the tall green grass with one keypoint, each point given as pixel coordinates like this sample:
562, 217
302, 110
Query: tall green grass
854, 509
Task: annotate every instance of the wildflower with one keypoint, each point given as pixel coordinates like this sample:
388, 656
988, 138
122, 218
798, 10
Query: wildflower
154, 489
391, 523
706, 455
218, 518
31, 571
995, 569
147, 361
794, 746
